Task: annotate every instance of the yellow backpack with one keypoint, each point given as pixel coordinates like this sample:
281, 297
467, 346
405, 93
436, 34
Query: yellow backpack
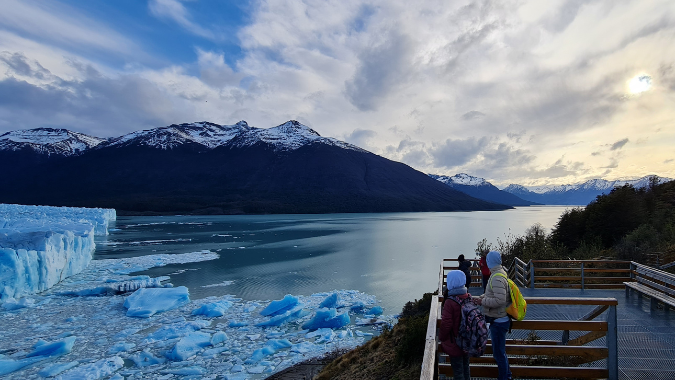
518, 306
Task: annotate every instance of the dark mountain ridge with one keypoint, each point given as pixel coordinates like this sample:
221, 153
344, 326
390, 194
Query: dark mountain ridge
206, 168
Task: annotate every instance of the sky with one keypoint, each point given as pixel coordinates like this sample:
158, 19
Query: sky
528, 92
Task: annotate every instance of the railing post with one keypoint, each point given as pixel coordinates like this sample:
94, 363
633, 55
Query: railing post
612, 347
632, 268
531, 274
582, 276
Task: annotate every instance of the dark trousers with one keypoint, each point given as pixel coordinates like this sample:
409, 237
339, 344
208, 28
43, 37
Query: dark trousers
460, 367
485, 282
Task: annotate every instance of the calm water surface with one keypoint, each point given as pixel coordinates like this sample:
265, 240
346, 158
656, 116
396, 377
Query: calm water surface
392, 256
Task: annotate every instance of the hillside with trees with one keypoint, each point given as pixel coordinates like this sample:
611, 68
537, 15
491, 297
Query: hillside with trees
627, 224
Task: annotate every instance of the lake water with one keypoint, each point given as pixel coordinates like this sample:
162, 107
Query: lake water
393, 256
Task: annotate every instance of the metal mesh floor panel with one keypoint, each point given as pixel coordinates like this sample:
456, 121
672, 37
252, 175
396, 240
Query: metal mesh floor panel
646, 337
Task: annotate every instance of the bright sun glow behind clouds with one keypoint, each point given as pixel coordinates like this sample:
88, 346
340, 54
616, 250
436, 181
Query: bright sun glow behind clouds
640, 83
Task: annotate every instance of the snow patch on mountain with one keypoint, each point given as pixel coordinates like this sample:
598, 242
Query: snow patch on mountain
460, 179
49, 141
204, 133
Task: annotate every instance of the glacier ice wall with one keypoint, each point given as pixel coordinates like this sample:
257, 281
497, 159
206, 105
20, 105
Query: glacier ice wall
41, 245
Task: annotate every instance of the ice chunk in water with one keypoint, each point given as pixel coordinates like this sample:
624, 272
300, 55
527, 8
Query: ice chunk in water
60, 347
56, 368
280, 306
12, 304
327, 318
189, 346
285, 317
377, 310
121, 347
330, 301
214, 309
186, 371
145, 358
9, 365
146, 302
218, 338
96, 370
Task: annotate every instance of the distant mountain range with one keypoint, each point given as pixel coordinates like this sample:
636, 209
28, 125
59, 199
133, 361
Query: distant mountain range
208, 168
481, 189
577, 194
517, 195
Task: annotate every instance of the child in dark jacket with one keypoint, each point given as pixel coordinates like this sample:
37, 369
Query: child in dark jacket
450, 319
465, 266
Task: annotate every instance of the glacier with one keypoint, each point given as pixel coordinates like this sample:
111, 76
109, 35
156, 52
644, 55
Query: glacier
42, 245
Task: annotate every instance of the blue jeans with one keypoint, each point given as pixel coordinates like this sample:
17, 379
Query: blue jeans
498, 335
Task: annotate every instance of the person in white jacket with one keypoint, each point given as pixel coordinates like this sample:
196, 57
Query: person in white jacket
494, 301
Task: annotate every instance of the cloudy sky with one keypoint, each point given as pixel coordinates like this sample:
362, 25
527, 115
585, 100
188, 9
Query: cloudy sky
530, 92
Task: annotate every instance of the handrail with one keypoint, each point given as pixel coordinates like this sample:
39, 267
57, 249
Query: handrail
429, 360
579, 278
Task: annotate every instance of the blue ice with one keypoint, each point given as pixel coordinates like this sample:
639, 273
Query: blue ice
377, 310
146, 302
287, 316
56, 368
280, 306
9, 365
214, 309
218, 338
272, 346
185, 371
327, 318
330, 302
121, 347
145, 358
57, 348
189, 346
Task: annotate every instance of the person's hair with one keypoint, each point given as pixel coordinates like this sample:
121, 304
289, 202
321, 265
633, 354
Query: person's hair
460, 258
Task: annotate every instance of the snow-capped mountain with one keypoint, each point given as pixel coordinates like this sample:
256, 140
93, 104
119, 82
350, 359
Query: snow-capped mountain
481, 189
575, 194
224, 169
49, 141
285, 137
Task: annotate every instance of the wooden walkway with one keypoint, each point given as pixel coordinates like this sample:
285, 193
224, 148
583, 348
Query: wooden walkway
645, 333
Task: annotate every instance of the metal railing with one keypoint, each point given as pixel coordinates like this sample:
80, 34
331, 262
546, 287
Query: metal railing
575, 274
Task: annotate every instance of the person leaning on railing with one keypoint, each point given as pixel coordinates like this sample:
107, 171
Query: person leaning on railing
494, 300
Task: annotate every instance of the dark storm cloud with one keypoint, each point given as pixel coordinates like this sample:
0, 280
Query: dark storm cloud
19, 64
452, 153
97, 105
619, 144
382, 67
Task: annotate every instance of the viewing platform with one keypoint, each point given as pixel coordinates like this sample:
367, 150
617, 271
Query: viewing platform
585, 319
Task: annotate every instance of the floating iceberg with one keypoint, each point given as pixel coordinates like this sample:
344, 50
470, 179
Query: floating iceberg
61, 347
54, 369
330, 302
189, 346
213, 309
146, 302
327, 318
97, 370
280, 306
